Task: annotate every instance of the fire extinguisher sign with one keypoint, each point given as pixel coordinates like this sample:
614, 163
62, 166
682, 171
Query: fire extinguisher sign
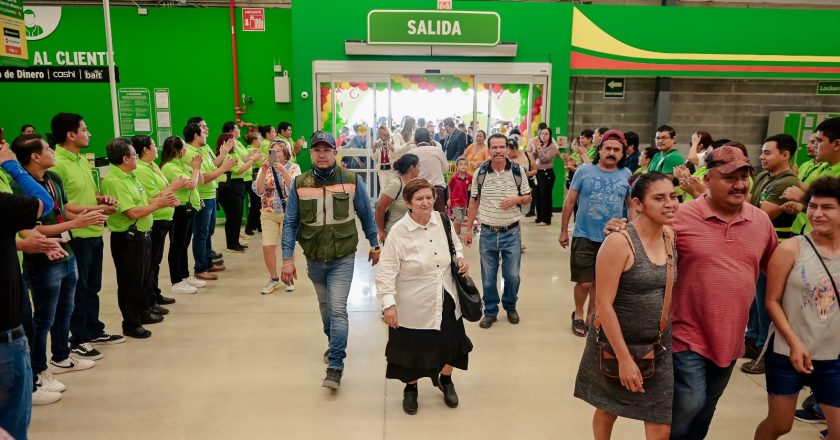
253, 19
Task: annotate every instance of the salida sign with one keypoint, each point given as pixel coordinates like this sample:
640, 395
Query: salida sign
436, 28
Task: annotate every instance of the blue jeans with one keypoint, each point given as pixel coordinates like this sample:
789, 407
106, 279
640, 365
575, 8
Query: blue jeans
492, 245
53, 287
332, 285
759, 323
85, 324
204, 220
698, 385
15, 386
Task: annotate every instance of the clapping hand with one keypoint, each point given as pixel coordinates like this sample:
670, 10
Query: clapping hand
793, 193
196, 162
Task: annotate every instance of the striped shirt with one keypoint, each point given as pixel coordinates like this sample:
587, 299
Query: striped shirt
717, 272
497, 187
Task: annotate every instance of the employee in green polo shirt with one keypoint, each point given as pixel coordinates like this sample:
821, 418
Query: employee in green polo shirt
72, 136
131, 243
173, 165
668, 157
828, 164
154, 182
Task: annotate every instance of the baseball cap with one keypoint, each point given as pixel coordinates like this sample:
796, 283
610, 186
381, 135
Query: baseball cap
727, 159
614, 135
322, 137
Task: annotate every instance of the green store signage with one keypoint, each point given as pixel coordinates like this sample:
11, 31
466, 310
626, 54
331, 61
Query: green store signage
437, 28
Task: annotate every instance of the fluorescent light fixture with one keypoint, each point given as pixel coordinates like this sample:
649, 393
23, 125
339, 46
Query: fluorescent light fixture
360, 47
500, 50
355, 47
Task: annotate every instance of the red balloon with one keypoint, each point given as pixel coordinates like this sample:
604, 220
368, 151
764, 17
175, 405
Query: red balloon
363, 87
497, 88
538, 101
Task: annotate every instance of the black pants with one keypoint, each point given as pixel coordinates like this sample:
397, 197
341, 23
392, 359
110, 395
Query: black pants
160, 229
230, 197
179, 243
253, 223
545, 181
132, 257
535, 196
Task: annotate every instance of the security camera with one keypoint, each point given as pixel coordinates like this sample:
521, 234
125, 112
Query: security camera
304, 95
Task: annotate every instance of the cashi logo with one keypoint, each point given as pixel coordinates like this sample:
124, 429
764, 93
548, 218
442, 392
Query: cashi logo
41, 21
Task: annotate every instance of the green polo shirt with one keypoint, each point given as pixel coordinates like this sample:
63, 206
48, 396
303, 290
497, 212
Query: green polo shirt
176, 168
241, 152
151, 177
801, 225
665, 163
207, 190
264, 147
126, 188
76, 174
5, 182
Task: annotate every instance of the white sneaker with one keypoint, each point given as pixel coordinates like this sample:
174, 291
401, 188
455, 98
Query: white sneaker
195, 282
43, 397
73, 363
290, 288
270, 287
47, 382
183, 287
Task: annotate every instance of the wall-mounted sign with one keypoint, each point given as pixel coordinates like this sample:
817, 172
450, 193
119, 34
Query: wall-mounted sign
56, 74
614, 88
828, 88
253, 19
436, 28
135, 107
13, 40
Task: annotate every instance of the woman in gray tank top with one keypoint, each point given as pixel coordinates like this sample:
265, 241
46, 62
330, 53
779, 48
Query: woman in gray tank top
631, 274
803, 301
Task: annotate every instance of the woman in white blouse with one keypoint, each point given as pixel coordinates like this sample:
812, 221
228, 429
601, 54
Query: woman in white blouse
415, 286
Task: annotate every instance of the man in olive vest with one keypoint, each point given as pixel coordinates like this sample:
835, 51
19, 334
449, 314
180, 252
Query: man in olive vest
321, 213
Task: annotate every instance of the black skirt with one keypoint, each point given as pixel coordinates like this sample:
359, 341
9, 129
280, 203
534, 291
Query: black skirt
413, 354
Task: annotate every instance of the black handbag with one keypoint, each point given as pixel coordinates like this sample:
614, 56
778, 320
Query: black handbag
644, 355
472, 308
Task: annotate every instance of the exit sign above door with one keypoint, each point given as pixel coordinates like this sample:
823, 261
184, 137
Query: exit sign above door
435, 28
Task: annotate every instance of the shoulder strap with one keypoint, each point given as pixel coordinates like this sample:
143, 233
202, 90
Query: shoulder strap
479, 178
516, 170
669, 281
819, 257
445, 221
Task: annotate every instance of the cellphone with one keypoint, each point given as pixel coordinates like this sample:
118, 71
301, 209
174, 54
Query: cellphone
272, 157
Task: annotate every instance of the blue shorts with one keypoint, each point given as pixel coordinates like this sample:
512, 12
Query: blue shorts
783, 380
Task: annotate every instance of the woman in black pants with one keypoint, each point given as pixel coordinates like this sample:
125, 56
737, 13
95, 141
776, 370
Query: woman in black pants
173, 166
545, 153
231, 194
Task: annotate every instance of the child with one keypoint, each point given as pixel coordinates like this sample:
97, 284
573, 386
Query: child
459, 184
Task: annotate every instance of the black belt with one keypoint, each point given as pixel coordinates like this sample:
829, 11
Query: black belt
141, 233
385, 166
501, 228
7, 336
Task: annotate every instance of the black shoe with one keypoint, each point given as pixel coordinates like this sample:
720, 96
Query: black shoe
450, 397
753, 367
138, 332
215, 255
158, 310
150, 318
239, 249
530, 214
750, 350
164, 301
219, 262
513, 316
410, 402
333, 379
487, 321
249, 232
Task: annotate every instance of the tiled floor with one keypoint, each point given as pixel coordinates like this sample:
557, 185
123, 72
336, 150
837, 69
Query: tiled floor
231, 363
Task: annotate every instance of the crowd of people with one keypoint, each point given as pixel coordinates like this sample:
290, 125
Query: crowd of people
654, 233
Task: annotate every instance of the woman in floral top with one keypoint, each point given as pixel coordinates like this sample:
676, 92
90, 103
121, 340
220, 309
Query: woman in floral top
273, 203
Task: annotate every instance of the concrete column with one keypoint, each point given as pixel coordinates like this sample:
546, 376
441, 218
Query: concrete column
661, 103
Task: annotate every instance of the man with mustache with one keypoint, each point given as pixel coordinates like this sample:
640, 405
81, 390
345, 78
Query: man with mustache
603, 192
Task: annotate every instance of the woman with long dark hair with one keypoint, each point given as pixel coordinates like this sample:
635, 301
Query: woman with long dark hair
545, 152
232, 194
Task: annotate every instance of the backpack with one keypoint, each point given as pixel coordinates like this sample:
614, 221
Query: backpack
515, 169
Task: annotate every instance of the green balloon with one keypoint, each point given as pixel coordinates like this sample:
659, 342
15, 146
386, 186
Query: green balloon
465, 86
395, 86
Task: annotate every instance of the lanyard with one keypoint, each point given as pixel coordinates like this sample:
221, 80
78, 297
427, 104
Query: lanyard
56, 206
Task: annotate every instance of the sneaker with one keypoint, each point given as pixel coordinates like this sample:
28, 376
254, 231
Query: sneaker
195, 282
47, 382
43, 397
290, 288
183, 287
333, 379
270, 287
753, 367
216, 255
106, 339
73, 363
86, 351
808, 415
239, 249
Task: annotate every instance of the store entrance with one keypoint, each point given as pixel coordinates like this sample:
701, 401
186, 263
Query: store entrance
355, 98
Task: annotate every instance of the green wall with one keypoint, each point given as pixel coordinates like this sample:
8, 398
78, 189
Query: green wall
187, 50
